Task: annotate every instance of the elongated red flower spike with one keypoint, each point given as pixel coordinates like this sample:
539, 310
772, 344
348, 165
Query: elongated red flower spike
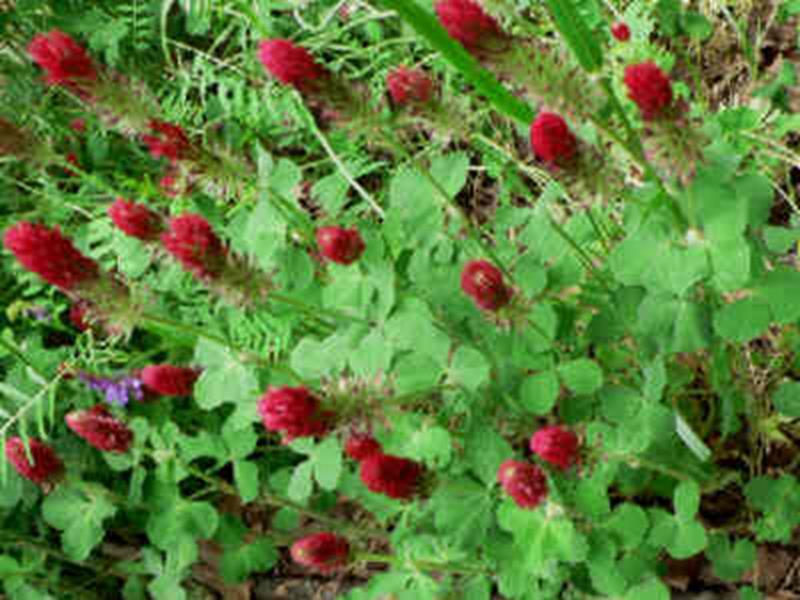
466, 22
324, 552
169, 380
294, 412
524, 482
409, 86
339, 245
64, 61
650, 88
552, 140
194, 244
555, 445
136, 220
168, 141
100, 429
290, 64
391, 475
78, 313
483, 282
46, 468
621, 31
46, 252
361, 445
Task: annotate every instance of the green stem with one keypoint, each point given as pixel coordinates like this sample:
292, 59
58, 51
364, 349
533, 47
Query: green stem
421, 565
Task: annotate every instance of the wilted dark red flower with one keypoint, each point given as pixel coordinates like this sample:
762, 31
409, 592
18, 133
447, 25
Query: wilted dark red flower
391, 475
64, 61
552, 140
294, 412
621, 31
524, 482
324, 552
77, 315
98, 427
466, 22
135, 220
169, 141
78, 125
483, 282
169, 380
650, 88
72, 159
408, 86
50, 255
555, 445
343, 246
361, 445
290, 64
46, 467
194, 244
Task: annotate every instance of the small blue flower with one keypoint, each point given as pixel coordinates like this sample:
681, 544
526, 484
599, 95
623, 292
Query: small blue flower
117, 390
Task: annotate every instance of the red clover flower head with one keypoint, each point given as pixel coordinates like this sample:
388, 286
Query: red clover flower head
64, 61
361, 445
135, 220
289, 63
46, 252
524, 482
409, 86
169, 380
194, 244
466, 22
324, 552
339, 245
390, 475
555, 445
100, 429
621, 31
650, 88
483, 282
552, 140
294, 412
45, 468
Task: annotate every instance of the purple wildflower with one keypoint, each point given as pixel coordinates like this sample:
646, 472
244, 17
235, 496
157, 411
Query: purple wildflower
118, 390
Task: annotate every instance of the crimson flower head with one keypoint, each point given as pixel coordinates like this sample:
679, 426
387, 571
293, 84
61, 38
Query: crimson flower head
466, 22
390, 475
555, 445
65, 62
135, 220
290, 64
524, 482
169, 380
650, 88
53, 257
168, 140
552, 140
194, 244
323, 552
409, 86
294, 412
46, 467
98, 427
361, 445
621, 31
483, 282
339, 245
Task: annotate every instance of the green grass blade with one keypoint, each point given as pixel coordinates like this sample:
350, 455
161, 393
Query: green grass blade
577, 35
429, 28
